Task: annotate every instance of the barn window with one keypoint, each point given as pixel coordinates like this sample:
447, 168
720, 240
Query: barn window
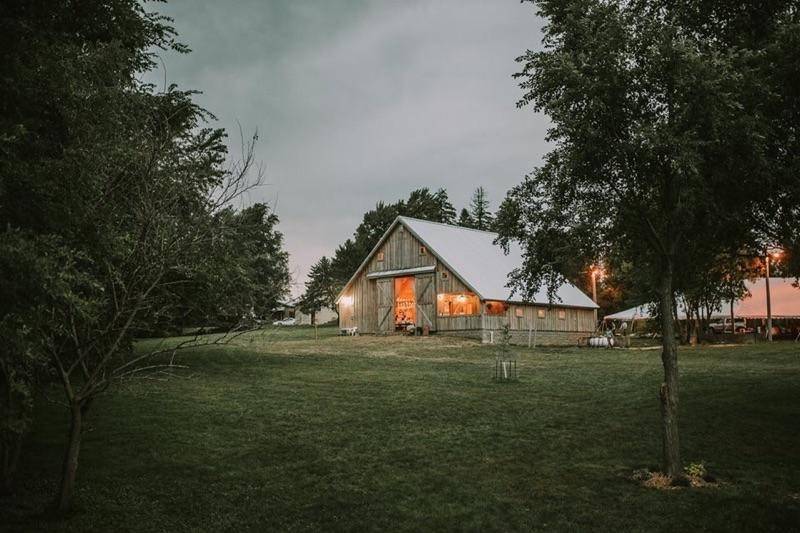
541, 313
495, 308
457, 304
562, 315
519, 312
445, 275
423, 251
380, 256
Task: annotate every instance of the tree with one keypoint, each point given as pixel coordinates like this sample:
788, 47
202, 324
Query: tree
465, 220
321, 289
445, 212
346, 260
479, 212
123, 189
265, 260
25, 270
655, 159
421, 203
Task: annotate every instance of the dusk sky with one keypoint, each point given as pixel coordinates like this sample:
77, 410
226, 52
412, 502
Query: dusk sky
357, 102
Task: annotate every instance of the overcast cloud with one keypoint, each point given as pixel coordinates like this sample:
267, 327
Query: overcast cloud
357, 102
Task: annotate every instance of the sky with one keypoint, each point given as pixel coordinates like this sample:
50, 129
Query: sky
361, 101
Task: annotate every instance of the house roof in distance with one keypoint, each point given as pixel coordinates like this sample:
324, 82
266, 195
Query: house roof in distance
474, 257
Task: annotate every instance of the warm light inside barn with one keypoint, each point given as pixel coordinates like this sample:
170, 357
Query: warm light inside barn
404, 301
457, 304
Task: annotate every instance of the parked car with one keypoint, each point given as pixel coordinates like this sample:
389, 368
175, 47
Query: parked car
285, 322
725, 327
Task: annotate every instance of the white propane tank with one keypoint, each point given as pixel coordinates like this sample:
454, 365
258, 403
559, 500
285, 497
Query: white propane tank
598, 342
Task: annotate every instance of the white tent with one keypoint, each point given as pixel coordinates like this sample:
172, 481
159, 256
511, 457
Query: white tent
784, 296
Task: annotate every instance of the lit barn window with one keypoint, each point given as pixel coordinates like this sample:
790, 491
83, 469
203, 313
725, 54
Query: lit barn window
457, 304
495, 308
562, 315
541, 313
380, 256
519, 312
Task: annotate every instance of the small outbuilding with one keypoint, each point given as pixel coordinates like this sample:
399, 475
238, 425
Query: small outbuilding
427, 276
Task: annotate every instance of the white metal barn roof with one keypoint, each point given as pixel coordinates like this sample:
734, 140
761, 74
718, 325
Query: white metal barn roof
472, 255
784, 296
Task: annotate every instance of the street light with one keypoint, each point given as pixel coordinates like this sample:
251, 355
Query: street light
776, 254
597, 272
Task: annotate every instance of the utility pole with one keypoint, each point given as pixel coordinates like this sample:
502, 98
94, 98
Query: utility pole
769, 303
594, 292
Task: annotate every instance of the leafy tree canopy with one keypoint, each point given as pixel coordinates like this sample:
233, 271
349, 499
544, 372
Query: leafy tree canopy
321, 288
665, 148
113, 196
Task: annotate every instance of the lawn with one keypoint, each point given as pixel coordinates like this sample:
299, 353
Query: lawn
285, 432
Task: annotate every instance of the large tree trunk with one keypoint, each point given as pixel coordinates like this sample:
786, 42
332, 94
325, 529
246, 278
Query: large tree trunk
669, 388
16, 410
70, 467
10, 451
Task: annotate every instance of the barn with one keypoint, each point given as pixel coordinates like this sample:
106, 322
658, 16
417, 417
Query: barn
452, 280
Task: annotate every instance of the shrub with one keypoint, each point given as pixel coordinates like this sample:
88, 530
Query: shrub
696, 470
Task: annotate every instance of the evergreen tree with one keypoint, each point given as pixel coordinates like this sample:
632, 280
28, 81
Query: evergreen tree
479, 210
465, 219
445, 212
321, 289
421, 204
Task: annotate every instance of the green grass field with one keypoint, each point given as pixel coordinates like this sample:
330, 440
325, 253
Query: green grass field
284, 432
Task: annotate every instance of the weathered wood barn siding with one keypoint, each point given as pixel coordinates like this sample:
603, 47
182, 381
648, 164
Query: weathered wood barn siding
400, 250
550, 329
469, 326
360, 306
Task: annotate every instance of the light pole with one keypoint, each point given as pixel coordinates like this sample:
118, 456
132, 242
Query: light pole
769, 303
596, 272
776, 255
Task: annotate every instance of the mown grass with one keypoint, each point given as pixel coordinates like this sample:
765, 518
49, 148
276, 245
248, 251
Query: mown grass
284, 432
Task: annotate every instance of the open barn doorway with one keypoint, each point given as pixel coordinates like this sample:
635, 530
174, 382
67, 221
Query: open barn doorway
405, 304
